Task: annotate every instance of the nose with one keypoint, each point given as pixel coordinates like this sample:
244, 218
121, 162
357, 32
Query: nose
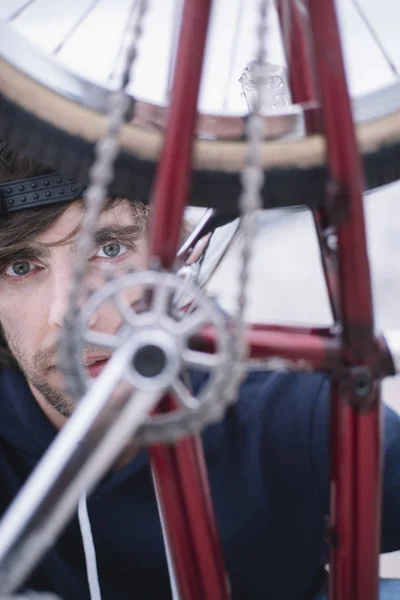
60, 290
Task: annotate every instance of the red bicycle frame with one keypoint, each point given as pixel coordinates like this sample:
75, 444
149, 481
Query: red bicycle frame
354, 357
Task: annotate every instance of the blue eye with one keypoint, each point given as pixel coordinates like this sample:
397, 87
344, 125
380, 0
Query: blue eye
19, 268
112, 250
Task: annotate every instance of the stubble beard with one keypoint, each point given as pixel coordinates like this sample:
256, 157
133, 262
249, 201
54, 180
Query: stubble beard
56, 399
35, 370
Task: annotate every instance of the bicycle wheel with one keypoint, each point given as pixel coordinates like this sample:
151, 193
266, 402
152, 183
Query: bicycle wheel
51, 111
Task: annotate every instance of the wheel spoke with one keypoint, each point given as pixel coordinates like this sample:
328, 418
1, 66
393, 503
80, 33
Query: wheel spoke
16, 14
81, 19
183, 395
234, 48
129, 25
202, 360
99, 338
378, 42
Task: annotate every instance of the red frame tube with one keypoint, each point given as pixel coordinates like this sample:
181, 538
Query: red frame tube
356, 356
179, 471
356, 434
173, 176
355, 442
299, 50
187, 512
312, 349
346, 184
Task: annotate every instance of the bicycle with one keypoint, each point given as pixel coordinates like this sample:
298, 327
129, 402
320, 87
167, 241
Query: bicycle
60, 118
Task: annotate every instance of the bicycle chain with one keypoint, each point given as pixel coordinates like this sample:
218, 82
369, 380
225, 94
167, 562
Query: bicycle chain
250, 201
225, 388
100, 176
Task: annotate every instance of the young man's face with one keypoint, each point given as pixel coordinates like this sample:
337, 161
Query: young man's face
34, 296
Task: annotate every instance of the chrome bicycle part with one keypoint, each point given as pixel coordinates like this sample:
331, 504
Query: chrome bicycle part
275, 84
160, 350
101, 426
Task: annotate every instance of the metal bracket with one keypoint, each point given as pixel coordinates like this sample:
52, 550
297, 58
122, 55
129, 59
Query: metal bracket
359, 389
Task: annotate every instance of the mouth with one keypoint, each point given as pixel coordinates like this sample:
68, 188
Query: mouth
95, 364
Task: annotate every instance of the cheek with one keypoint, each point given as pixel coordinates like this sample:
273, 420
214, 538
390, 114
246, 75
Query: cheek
133, 295
142, 257
21, 317
139, 259
15, 332
109, 317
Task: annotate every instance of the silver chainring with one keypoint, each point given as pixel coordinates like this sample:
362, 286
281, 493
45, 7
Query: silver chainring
159, 337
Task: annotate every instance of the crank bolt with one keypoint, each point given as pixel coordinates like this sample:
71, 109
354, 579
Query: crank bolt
362, 385
149, 360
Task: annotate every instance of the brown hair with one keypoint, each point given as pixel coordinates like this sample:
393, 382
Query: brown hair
17, 229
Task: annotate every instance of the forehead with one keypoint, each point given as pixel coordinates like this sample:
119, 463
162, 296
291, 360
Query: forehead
120, 213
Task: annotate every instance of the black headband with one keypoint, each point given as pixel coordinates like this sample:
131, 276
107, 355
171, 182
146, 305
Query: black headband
38, 191
55, 188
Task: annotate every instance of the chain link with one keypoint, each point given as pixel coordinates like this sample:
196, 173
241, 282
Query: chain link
231, 374
100, 177
250, 201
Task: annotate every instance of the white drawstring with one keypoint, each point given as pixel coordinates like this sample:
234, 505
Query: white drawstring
172, 577
90, 552
89, 549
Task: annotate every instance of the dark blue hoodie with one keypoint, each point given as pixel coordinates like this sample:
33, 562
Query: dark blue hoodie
268, 467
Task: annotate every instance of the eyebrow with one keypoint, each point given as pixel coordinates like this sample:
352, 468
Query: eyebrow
126, 233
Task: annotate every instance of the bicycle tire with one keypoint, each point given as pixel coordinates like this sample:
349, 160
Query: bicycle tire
62, 134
